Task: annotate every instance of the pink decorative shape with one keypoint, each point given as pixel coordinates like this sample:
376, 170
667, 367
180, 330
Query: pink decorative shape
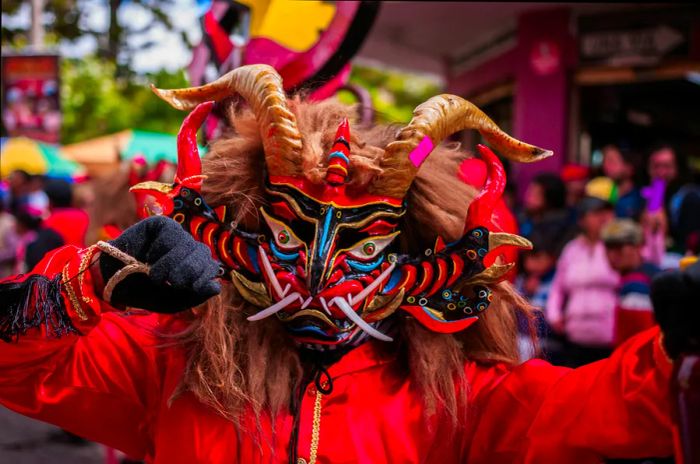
421, 152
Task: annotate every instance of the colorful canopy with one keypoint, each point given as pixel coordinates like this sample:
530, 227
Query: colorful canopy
35, 158
109, 149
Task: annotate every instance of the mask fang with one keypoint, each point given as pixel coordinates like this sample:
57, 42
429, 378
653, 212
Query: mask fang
271, 274
353, 300
280, 305
361, 323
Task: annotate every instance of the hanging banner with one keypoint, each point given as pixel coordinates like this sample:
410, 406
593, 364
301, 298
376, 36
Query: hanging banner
30, 97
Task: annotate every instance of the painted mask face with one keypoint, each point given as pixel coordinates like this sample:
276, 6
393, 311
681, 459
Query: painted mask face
326, 262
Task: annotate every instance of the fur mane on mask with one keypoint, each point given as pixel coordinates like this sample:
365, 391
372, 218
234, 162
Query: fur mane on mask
234, 364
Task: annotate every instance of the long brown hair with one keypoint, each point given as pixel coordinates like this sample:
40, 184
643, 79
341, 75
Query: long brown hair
233, 363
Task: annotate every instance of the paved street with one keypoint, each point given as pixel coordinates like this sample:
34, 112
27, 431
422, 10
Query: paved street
26, 441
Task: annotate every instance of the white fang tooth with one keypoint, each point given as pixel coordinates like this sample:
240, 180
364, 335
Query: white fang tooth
361, 323
270, 273
280, 305
324, 305
367, 290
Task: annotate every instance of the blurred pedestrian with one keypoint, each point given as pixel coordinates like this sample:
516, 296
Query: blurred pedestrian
26, 191
537, 268
583, 296
623, 240
8, 238
69, 222
619, 163
545, 207
682, 196
27, 223
663, 163
574, 177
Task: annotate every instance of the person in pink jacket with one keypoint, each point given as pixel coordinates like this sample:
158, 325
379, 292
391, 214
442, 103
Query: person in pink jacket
582, 298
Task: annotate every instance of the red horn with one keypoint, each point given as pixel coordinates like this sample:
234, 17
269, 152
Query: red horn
188, 163
481, 208
339, 157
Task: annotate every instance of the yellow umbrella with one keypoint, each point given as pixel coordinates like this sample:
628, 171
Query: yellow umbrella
36, 158
21, 153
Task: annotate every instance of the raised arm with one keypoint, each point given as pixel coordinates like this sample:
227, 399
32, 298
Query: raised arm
619, 407
615, 408
71, 360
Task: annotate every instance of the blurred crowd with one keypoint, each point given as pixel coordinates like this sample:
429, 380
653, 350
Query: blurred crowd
36, 216
599, 235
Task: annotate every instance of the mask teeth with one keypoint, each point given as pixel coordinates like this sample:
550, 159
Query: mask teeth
339, 158
367, 290
324, 305
271, 274
306, 302
361, 323
275, 308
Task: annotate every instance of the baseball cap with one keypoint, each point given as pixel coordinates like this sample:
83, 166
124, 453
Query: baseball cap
622, 232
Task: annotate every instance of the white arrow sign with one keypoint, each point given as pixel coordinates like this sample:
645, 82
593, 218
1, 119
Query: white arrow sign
655, 41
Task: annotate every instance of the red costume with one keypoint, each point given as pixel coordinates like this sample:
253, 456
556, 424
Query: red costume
112, 385
314, 272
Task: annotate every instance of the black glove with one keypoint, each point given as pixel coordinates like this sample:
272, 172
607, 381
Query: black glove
676, 299
183, 273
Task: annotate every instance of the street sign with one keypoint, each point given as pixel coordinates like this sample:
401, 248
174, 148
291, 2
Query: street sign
635, 38
644, 46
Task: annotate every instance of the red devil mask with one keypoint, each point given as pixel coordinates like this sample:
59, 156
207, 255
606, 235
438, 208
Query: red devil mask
325, 264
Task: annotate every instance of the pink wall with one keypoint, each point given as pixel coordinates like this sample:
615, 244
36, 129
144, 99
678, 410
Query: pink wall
541, 103
540, 65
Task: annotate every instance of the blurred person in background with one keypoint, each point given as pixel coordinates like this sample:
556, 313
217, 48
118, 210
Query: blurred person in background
623, 239
663, 163
682, 196
574, 177
545, 207
619, 165
583, 294
69, 222
26, 191
537, 267
8, 237
27, 224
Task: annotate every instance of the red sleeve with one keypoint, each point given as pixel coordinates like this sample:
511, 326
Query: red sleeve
619, 407
102, 383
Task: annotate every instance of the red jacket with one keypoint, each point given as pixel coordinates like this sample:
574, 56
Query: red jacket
70, 223
113, 383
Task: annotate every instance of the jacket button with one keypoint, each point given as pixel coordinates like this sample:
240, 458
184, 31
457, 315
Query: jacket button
301, 461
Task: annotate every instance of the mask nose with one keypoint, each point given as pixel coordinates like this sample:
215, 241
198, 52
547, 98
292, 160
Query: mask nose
320, 256
315, 280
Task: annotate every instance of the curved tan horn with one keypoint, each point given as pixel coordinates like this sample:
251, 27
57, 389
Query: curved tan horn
433, 121
262, 88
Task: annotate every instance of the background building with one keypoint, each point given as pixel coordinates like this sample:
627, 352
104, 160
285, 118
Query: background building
568, 77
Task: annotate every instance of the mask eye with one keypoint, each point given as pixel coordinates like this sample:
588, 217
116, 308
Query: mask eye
284, 237
371, 247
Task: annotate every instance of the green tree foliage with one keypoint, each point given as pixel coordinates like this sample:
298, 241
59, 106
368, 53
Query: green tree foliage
94, 103
67, 21
394, 94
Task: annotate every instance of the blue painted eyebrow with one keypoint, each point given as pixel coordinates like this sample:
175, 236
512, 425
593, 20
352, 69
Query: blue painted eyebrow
282, 255
365, 267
